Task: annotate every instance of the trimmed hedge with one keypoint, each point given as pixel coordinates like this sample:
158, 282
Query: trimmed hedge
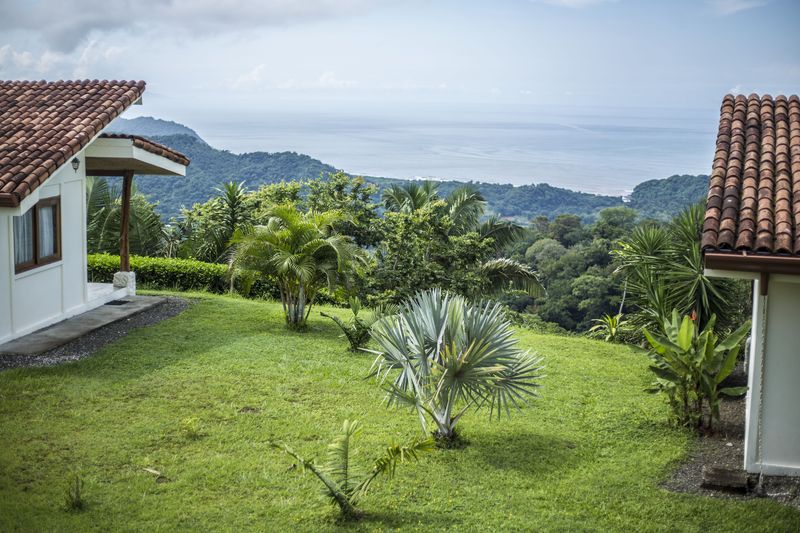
175, 274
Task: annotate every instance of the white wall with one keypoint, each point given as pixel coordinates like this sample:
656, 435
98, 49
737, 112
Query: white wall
773, 409
42, 296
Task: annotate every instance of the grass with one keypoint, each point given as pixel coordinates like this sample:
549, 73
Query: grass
196, 398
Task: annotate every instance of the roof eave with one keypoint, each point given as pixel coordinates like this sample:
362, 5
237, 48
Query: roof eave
745, 262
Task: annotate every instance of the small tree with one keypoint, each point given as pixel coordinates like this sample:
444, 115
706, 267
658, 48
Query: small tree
452, 356
690, 365
344, 485
302, 252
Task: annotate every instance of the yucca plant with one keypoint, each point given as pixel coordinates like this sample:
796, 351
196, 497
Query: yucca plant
690, 366
344, 485
608, 327
443, 356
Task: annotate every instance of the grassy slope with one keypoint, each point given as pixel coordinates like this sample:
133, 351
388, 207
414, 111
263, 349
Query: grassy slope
587, 456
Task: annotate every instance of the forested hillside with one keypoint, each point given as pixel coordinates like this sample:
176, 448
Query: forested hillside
211, 167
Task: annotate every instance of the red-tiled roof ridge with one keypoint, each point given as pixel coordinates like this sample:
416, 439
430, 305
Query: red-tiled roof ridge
150, 146
754, 188
45, 123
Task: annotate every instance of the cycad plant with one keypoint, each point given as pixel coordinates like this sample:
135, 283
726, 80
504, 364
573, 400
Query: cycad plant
443, 356
690, 364
302, 252
357, 329
344, 485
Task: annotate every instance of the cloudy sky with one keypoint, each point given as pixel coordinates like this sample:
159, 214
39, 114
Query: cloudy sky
236, 54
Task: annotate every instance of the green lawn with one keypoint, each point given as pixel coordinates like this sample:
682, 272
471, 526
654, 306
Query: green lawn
589, 455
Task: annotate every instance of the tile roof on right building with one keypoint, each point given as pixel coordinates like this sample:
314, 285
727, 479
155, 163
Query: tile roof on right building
753, 208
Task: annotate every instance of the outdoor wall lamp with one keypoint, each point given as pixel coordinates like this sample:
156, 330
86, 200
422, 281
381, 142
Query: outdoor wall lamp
75, 163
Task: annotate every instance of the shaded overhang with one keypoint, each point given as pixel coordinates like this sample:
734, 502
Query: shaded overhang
753, 262
115, 156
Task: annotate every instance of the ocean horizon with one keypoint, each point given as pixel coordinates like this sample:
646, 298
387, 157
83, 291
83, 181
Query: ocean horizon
590, 149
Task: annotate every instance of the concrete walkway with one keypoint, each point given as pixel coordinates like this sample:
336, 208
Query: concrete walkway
77, 326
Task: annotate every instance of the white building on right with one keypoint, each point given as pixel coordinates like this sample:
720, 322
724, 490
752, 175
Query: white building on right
752, 231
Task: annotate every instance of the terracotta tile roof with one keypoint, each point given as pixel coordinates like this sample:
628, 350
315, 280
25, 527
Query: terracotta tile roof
44, 124
150, 146
754, 190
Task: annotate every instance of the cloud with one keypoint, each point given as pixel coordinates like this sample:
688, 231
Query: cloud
69, 23
326, 80
729, 7
736, 89
250, 79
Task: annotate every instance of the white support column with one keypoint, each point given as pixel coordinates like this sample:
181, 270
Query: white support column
752, 408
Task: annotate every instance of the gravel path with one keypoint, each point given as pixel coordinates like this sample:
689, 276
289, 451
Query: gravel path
92, 342
725, 448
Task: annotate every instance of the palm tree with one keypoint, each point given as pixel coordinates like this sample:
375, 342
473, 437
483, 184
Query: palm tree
410, 196
452, 356
302, 252
103, 218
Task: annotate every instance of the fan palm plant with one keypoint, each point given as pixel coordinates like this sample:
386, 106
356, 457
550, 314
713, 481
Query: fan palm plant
345, 486
452, 356
302, 252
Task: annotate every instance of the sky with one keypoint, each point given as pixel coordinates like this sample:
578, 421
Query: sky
221, 56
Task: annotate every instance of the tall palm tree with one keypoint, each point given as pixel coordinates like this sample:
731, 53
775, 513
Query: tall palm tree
302, 252
103, 219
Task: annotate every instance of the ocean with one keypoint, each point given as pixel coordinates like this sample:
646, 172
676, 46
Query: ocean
591, 149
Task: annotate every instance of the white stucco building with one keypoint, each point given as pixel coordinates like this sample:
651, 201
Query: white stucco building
50, 140
752, 231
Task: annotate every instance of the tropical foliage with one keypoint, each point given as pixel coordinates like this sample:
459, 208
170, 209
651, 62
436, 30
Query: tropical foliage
609, 328
443, 356
104, 213
663, 269
433, 242
344, 485
303, 253
690, 365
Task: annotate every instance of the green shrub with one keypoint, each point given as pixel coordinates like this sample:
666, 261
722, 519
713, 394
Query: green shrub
690, 365
178, 274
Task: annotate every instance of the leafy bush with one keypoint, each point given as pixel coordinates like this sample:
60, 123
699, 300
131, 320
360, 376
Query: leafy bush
690, 365
343, 484
452, 356
176, 274
535, 323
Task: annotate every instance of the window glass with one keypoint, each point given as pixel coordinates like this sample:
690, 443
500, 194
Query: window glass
23, 238
47, 231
